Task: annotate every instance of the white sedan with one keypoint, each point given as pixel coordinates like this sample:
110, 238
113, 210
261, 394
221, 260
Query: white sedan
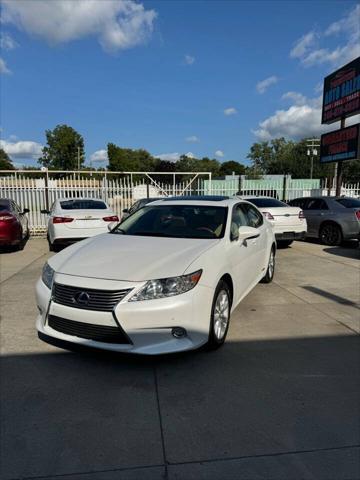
288, 222
164, 280
73, 219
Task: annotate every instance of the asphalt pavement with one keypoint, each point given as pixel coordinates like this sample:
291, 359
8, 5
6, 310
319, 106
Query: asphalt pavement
281, 399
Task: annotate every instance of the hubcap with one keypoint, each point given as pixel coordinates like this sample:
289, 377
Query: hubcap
271, 266
221, 314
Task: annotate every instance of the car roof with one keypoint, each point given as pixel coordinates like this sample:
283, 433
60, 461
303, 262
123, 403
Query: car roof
64, 199
204, 200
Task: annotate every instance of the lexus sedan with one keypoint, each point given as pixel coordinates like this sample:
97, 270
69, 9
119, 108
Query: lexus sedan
14, 224
164, 280
331, 219
73, 219
288, 222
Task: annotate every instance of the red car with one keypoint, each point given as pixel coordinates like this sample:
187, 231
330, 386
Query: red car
14, 224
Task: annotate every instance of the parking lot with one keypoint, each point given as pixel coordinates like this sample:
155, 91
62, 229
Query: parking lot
280, 400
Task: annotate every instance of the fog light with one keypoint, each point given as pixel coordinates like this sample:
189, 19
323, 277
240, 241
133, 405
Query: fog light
178, 332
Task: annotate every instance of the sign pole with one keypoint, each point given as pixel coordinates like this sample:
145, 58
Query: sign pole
339, 167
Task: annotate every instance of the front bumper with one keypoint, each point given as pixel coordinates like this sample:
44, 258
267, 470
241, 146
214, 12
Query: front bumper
147, 325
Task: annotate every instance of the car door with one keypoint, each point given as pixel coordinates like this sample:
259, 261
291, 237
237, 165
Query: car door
255, 219
19, 217
242, 254
314, 210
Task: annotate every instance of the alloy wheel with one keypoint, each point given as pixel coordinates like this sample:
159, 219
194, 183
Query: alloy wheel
221, 314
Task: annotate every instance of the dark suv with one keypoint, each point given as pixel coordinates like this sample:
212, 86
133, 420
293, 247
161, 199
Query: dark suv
331, 219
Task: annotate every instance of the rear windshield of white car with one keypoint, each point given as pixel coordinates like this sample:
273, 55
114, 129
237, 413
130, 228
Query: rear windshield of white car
266, 202
349, 202
83, 205
178, 221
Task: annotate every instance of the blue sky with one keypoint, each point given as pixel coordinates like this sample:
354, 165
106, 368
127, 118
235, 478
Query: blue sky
173, 77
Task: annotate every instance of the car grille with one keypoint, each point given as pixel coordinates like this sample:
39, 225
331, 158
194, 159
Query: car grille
87, 298
99, 333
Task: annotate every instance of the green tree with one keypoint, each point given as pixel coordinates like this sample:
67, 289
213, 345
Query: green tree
64, 146
227, 168
129, 160
5, 162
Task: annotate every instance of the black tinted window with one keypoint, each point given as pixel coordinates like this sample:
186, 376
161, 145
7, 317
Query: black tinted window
4, 205
266, 202
349, 202
298, 202
83, 205
316, 204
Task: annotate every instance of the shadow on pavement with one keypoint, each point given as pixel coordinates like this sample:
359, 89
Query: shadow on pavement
68, 413
348, 250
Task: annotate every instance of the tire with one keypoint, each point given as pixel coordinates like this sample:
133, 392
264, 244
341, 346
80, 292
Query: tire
218, 327
270, 271
284, 243
52, 246
330, 234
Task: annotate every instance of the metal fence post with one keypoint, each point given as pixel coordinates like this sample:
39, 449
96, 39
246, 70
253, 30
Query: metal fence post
284, 189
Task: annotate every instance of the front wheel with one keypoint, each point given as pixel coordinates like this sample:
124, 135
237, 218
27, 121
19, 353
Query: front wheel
269, 275
220, 316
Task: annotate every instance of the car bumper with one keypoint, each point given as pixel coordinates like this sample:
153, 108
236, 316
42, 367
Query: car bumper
147, 326
290, 235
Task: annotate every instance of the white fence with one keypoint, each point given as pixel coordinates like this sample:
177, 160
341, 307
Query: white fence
38, 190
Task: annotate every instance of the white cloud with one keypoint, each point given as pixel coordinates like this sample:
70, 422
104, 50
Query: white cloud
189, 59
302, 45
296, 97
170, 157
190, 155
7, 42
118, 24
262, 86
3, 67
99, 156
219, 153
21, 149
230, 111
301, 120
192, 139
308, 51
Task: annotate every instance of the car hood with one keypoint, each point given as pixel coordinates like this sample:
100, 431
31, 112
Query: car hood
129, 257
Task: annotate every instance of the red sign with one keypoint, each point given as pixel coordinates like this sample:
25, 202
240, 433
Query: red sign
340, 145
341, 96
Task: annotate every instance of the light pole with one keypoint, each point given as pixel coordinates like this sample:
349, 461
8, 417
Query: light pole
312, 145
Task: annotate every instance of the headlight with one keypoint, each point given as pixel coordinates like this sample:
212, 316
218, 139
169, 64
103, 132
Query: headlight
167, 287
48, 275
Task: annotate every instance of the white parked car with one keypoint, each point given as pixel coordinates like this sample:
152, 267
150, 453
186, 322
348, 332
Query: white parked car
73, 219
288, 222
164, 280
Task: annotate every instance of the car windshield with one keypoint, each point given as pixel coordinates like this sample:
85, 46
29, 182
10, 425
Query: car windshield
83, 205
349, 202
179, 221
266, 202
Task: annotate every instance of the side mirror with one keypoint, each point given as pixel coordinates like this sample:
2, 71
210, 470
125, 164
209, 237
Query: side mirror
126, 210
246, 233
112, 225
46, 212
26, 210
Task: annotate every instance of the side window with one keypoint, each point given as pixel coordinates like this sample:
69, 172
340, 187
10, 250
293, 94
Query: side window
134, 207
254, 217
316, 204
238, 219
